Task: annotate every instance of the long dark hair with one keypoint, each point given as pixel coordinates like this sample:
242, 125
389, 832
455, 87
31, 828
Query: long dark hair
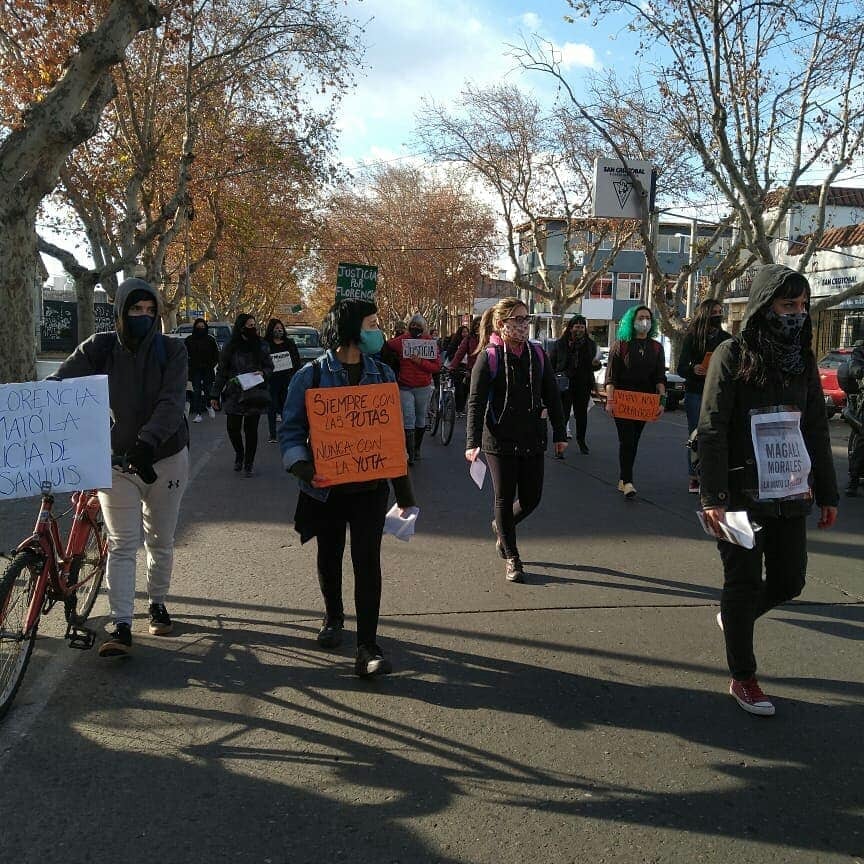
755, 340
701, 324
271, 326
237, 342
344, 321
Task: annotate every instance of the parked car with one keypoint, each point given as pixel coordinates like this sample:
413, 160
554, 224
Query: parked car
219, 330
307, 340
835, 398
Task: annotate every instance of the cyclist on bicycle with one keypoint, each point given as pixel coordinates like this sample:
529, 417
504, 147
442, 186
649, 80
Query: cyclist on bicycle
463, 358
149, 443
414, 375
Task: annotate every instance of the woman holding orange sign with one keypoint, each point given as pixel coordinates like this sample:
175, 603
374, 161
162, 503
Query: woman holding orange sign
637, 366
326, 508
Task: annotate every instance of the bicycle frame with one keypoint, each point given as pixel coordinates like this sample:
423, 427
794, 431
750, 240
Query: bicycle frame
54, 580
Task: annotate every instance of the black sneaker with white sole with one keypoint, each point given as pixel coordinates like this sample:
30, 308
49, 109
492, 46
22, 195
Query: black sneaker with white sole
118, 642
330, 634
370, 661
160, 620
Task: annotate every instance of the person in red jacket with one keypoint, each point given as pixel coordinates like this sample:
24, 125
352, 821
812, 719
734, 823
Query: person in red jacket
414, 368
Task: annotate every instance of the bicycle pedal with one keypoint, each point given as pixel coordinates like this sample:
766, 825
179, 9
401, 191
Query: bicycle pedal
81, 638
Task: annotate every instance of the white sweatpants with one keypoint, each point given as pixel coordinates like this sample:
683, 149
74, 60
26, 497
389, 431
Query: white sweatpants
126, 506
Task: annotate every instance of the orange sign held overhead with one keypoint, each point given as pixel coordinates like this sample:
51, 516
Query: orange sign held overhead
356, 433
632, 405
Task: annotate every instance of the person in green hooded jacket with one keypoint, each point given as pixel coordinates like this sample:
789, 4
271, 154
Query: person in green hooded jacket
765, 449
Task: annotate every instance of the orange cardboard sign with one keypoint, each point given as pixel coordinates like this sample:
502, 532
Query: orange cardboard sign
356, 433
706, 359
632, 405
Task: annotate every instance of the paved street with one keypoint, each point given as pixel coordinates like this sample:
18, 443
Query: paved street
581, 717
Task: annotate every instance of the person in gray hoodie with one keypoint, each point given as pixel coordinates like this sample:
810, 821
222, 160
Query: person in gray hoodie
765, 449
149, 449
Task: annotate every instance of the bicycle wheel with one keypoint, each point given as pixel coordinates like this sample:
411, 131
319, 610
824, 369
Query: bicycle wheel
85, 577
448, 417
16, 591
433, 414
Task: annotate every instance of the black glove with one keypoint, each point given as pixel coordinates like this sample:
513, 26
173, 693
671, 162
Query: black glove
303, 471
140, 460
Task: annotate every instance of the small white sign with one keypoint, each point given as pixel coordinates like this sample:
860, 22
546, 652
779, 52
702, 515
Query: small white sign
477, 470
282, 361
401, 527
248, 380
782, 459
615, 196
56, 432
421, 349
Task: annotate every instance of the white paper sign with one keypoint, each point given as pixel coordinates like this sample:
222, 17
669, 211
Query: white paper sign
248, 380
735, 528
477, 470
56, 432
401, 527
423, 349
782, 460
282, 361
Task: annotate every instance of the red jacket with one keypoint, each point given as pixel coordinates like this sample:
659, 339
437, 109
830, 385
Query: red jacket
414, 372
467, 348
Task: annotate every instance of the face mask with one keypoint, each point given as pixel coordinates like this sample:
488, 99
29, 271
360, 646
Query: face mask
715, 320
642, 326
199, 331
249, 332
371, 341
416, 332
138, 326
787, 328
515, 332
278, 333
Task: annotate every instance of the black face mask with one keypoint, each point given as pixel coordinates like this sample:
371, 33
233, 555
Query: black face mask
416, 332
249, 333
786, 328
715, 321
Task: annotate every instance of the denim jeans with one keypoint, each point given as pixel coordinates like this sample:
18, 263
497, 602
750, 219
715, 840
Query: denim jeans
415, 404
692, 406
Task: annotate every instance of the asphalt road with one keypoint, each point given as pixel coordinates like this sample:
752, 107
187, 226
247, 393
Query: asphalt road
580, 717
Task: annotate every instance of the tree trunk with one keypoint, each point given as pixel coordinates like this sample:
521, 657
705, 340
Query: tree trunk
19, 278
84, 299
559, 308
676, 340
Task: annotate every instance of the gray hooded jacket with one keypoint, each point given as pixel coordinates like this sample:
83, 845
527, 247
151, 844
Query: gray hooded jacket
729, 476
146, 384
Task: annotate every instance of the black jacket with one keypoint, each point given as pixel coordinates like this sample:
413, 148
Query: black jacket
202, 350
576, 361
729, 475
637, 364
289, 345
520, 429
690, 357
237, 358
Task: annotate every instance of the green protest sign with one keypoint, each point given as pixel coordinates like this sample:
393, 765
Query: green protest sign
356, 282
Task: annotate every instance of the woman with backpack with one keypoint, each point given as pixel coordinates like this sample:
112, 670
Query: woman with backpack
245, 352
704, 334
765, 448
353, 338
511, 384
636, 363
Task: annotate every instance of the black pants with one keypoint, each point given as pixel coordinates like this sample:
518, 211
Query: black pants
240, 425
575, 398
518, 485
202, 383
278, 392
461, 383
629, 433
856, 457
363, 513
782, 543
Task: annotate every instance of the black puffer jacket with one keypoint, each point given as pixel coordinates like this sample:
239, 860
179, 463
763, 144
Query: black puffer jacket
575, 359
520, 429
238, 358
729, 476
691, 358
202, 349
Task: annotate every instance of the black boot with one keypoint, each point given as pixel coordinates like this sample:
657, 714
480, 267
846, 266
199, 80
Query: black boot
409, 445
418, 440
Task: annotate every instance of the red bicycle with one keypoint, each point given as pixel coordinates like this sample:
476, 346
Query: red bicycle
44, 572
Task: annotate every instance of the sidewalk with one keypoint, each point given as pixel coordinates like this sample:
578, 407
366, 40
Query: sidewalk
581, 717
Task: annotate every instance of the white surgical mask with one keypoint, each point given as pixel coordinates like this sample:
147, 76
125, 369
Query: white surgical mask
642, 326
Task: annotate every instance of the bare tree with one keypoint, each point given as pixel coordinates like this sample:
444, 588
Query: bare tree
30, 160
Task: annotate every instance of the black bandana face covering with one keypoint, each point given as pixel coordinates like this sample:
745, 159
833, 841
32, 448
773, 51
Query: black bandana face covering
785, 328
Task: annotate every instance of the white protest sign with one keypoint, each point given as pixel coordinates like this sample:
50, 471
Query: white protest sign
248, 380
282, 361
782, 459
422, 349
56, 432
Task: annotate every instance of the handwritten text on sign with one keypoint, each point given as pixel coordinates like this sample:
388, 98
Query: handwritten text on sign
423, 349
356, 433
56, 432
632, 405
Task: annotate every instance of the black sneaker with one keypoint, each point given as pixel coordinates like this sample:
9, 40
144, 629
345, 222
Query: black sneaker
583, 447
330, 634
370, 661
118, 642
160, 620
238, 464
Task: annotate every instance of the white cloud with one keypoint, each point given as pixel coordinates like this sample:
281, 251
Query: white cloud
577, 54
531, 21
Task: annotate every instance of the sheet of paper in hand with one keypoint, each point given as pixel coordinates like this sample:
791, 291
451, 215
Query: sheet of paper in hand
782, 460
282, 361
248, 380
356, 433
421, 349
55, 432
632, 405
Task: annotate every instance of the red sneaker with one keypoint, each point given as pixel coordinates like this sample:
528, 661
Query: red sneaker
748, 694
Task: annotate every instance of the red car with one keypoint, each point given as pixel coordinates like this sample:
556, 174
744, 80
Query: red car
835, 398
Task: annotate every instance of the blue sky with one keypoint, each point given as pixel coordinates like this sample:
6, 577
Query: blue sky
418, 48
